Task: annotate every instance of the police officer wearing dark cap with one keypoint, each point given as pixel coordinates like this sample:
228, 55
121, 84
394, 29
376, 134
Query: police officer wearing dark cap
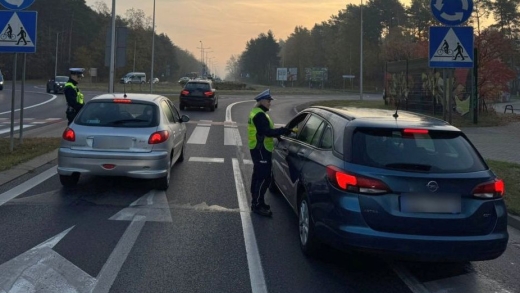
72, 94
260, 132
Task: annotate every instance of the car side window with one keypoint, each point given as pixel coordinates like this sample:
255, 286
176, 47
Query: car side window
175, 112
317, 136
326, 139
297, 124
310, 128
167, 110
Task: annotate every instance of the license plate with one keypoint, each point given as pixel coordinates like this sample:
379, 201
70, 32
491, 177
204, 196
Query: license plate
103, 142
449, 204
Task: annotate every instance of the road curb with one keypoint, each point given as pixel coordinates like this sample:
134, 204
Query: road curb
27, 167
513, 221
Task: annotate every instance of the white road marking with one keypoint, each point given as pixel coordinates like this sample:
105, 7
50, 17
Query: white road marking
27, 185
199, 135
248, 162
53, 119
256, 272
206, 160
41, 269
153, 206
6, 130
232, 136
33, 106
204, 123
229, 107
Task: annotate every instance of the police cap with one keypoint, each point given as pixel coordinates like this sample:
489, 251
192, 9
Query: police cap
77, 71
265, 95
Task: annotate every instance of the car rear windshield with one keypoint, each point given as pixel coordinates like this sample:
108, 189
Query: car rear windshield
62, 78
109, 113
409, 150
201, 86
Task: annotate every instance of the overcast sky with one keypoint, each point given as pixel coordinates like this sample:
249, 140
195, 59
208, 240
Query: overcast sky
224, 26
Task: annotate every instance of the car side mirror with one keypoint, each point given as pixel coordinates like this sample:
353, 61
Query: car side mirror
185, 118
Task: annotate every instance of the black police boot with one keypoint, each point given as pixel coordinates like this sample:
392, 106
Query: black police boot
261, 210
265, 205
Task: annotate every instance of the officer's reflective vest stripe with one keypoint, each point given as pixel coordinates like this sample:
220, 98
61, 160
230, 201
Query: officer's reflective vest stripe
79, 95
252, 132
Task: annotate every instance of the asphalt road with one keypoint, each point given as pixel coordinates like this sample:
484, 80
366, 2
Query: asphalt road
119, 235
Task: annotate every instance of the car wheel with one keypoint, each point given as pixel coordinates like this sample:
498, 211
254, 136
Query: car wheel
48, 90
164, 182
308, 242
216, 105
212, 108
182, 106
272, 187
69, 180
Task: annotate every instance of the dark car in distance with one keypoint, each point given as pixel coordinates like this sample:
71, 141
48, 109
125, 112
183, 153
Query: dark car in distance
198, 93
401, 184
57, 84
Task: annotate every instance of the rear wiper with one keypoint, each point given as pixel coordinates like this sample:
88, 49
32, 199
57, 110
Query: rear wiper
405, 166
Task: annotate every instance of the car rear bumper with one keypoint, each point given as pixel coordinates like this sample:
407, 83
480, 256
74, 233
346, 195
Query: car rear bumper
136, 165
416, 247
197, 102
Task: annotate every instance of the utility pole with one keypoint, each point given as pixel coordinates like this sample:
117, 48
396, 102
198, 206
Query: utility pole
153, 48
361, 53
202, 56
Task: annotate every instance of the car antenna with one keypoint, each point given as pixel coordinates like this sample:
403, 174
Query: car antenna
396, 109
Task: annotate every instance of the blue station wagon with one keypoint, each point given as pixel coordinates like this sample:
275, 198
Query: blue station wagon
396, 183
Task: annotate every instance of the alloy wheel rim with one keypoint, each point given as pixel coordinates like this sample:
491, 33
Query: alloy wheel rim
304, 222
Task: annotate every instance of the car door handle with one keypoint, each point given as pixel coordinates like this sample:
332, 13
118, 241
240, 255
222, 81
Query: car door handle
301, 153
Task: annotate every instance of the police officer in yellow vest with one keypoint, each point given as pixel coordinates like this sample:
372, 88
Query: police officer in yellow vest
261, 132
72, 94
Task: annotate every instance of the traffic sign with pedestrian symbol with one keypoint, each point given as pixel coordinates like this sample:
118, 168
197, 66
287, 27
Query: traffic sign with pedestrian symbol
18, 31
16, 4
451, 47
452, 12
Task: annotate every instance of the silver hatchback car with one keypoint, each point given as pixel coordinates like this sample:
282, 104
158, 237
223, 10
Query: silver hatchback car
133, 135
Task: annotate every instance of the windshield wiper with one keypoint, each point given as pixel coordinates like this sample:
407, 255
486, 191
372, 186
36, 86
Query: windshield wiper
406, 166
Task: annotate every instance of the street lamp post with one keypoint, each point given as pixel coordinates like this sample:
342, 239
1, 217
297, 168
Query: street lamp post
56, 62
361, 56
112, 48
153, 47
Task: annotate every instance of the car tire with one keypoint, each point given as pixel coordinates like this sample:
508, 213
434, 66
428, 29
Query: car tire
182, 106
164, 182
216, 105
48, 90
212, 108
273, 188
69, 180
308, 242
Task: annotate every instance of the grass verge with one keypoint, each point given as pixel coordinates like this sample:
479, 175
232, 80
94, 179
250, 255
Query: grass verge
24, 152
509, 172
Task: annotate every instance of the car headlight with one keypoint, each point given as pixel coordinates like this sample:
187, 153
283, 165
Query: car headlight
1, 82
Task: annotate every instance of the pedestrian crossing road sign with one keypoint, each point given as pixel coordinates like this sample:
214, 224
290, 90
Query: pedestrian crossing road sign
451, 47
18, 31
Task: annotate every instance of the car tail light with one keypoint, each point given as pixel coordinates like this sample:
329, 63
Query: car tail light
208, 94
356, 183
415, 131
185, 93
491, 189
158, 137
124, 101
69, 135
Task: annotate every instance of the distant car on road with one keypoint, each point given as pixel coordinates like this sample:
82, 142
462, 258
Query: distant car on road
184, 80
199, 93
57, 84
404, 185
137, 135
